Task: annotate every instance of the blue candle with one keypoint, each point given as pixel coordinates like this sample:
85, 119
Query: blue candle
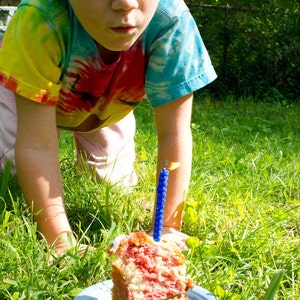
161, 192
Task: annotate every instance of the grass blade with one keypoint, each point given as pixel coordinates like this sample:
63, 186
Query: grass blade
271, 291
5, 178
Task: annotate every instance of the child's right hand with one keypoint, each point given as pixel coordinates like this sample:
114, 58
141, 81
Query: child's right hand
65, 244
58, 257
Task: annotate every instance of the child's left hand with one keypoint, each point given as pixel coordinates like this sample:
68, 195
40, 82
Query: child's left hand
169, 234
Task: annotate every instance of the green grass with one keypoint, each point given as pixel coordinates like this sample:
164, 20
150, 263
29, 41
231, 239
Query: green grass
243, 208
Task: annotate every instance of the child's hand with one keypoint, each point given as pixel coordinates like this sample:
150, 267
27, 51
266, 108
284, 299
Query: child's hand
61, 254
170, 234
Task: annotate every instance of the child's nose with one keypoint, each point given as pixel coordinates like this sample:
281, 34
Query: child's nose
124, 4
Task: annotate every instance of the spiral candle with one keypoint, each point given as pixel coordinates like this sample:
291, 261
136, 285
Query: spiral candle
161, 192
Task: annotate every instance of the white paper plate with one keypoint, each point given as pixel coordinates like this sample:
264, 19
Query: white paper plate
102, 291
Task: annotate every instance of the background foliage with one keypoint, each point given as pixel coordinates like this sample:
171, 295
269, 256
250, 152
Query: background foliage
254, 46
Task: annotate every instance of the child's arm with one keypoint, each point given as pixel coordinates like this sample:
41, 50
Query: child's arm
38, 170
175, 145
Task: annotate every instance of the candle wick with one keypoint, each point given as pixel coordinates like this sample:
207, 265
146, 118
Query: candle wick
165, 164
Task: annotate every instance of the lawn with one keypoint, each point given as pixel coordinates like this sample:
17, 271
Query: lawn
243, 208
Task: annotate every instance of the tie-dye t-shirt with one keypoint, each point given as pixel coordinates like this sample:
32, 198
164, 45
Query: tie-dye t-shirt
48, 57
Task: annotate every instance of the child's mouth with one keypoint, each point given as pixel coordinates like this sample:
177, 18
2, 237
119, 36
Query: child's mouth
124, 29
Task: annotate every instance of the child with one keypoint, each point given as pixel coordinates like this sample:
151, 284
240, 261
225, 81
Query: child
83, 66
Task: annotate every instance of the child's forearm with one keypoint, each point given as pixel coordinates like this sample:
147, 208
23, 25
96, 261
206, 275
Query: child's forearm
40, 180
175, 146
179, 156
37, 163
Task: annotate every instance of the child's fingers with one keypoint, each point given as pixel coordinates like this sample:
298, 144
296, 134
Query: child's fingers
59, 257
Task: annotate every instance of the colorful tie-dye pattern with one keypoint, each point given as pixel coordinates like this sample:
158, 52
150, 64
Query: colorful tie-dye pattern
54, 61
94, 94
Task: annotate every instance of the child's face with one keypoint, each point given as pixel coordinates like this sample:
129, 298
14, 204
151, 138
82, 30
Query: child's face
114, 24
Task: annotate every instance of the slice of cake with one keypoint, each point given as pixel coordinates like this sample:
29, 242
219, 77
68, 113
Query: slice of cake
146, 270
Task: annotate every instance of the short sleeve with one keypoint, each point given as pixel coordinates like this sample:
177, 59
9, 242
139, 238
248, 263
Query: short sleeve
178, 60
30, 57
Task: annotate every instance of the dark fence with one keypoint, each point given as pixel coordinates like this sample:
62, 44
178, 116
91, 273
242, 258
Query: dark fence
9, 2
256, 51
